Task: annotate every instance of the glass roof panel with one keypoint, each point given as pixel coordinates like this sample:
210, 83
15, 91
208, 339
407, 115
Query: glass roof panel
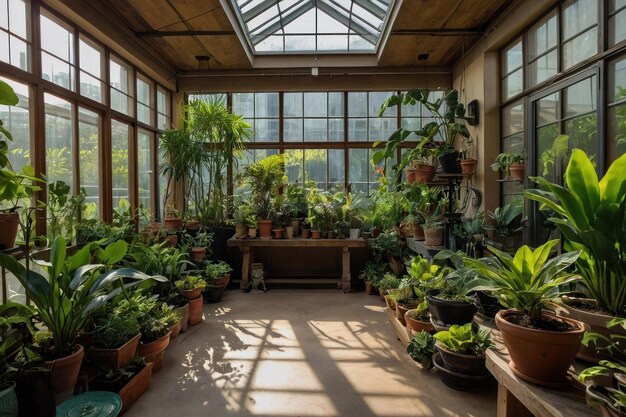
313, 26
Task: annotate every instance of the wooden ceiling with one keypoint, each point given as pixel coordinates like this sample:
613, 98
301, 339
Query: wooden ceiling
436, 27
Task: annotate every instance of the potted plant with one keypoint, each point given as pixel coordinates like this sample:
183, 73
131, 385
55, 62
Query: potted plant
116, 338
423, 277
388, 245
449, 304
586, 212
505, 224
296, 199
542, 346
468, 164
265, 178
191, 286
421, 349
415, 222
243, 216
510, 165
317, 219
387, 283
433, 230
198, 242
422, 162
129, 382
371, 274
462, 352
173, 218
217, 276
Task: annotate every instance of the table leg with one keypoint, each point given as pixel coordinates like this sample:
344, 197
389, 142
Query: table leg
509, 406
345, 273
248, 257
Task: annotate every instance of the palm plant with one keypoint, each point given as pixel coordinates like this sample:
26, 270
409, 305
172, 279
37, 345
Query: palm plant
265, 178
591, 215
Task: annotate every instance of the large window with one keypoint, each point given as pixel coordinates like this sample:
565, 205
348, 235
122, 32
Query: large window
313, 117
16, 120
363, 121
164, 110
120, 138
57, 52
15, 33
122, 90
89, 134
145, 171
91, 69
512, 70
261, 110
616, 145
145, 100
542, 52
59, 150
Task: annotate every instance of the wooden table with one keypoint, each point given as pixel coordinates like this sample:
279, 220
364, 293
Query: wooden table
517, 398
247, 247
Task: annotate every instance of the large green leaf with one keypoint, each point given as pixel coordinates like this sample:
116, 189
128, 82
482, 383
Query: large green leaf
58, 252
582, 180
7, 95
612, 185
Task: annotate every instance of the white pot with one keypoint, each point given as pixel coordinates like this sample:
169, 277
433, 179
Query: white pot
355, 233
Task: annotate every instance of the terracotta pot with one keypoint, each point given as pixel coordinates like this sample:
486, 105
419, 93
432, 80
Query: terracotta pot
64, 371
175, 330
153, 351
265, 229
598, 323
278, 233
390, 303
424, 173
198, 253
191, 294
8, 401
417, 325
195, 310
462, 363
173, 223
539, 356
171, 240
252, 232
370, 289
306, 233
409, 173
224, 281
289, 232
316, 234
9, 224
116, 358
135, 387
295, 223
433, 237
86, 339
401, 310
184, 316
447, 312
193, 225
241, 231
330, 234
518, 171
468, 166
376, 231
418, 232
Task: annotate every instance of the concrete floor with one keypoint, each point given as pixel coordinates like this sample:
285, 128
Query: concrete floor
304, 352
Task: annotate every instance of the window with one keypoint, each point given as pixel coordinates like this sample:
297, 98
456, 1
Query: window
579, 31
145, 173
362, 175
58, 131
121, 81
512, 122
313, 117
89, 134
542, 50
91, 59
261, 110
164, 113
325, 167
57, 52
120, 137
414, 117
512, 70
15, 33
363, 121
617, 21
616, 144
145, 100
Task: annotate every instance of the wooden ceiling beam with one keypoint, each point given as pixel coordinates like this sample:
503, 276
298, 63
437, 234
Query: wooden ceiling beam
172, 33
437, 32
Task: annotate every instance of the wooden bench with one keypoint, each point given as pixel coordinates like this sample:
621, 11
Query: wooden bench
247, 247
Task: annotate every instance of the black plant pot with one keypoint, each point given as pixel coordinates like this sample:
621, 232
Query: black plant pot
447, 312
213, 293
463, 364
34, 395
450, 163
488, 304
459, 381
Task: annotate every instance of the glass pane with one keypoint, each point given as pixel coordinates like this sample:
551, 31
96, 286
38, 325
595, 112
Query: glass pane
582, 132
617, 28
376, 100
617, 79
89, 143
4, 47
121, 102
91, 60
163, 109
512, 58
512, 85
513, 118
120, 135
17, 15
4, 15
578, 16
336, 169
315, 105
315, 166
57, 71
358, 170
547, 109
56, 39
58, 131
514, 144
357, 130
581, 97
243, 104
91, 87
580, 48
145, 172
294, 165
292, 104
121, 77
299, 43
266, 104
542, 37
292, 130
315, 130
335, 130
542, 69
381, 129
617, 132
550, 152
357, 104
335, 104
16, 119
144, 114
266, 130
20, 53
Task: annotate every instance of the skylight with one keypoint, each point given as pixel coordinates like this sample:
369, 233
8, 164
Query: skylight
313, 26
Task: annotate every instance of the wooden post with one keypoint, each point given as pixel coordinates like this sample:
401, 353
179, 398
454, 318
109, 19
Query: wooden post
248, 257
509, 406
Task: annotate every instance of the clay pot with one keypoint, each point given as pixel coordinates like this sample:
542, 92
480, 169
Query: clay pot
418, 231
191, 294
370, 289
539, 356
135, 387
295, 223
289, 232
278, 233
424, 173
198, 253
330, 234
316, 234
171, 240
417, 325
306, 233
64, 371
173, 223
9, 224
390, 303
409, 173
153, 351
195, 310
251, 232
193, 225
468, 166
462, 363
447, 312
518, 171
433, 237
116, 358
265, 229
184, 316
401, 310
376, 230
241, 231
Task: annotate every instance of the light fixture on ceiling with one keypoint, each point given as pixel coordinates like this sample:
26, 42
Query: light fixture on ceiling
422, 56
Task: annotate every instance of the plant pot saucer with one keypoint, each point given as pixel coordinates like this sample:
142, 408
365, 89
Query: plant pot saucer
438, 325
460, 381
553, 385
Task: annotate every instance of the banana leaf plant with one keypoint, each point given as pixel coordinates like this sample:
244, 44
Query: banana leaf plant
591, 215
73, 288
